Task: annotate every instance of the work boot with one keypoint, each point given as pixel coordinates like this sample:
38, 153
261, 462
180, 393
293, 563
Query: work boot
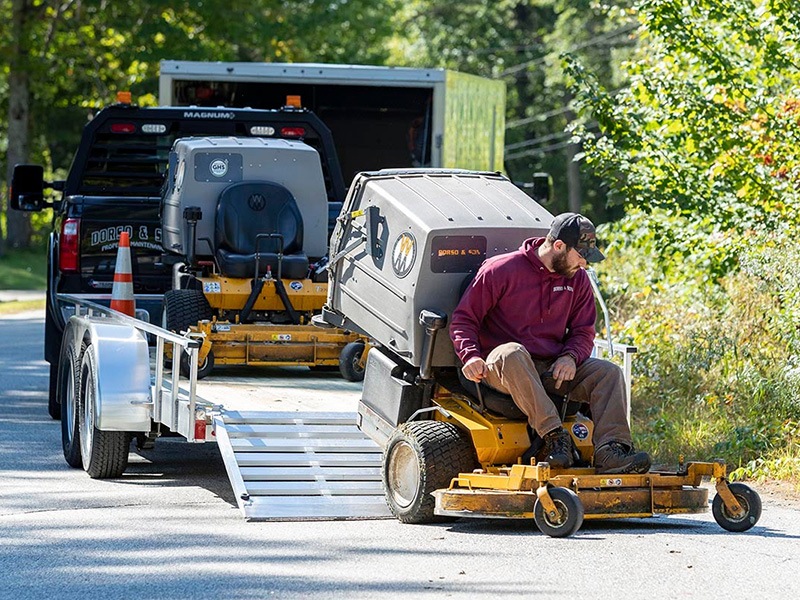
616, 457
557, 449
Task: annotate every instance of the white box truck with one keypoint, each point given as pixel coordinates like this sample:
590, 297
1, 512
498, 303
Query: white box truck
380, 117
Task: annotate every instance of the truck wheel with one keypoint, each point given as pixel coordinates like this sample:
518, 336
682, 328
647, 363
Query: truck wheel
569, 517
69, 396
52, 351
104, 453
203, 369
350, 361
748, 499
53, 406
421, 457
184, 309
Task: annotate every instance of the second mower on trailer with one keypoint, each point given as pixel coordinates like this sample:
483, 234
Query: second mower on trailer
250, 219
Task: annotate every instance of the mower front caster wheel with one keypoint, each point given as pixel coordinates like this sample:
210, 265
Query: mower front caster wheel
569, 517
350, 364
203, 369
750, 502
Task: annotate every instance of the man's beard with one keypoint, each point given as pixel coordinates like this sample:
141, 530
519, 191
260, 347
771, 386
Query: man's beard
561, 266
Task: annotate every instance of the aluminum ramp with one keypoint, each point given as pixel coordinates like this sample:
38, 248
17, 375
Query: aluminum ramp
291, 465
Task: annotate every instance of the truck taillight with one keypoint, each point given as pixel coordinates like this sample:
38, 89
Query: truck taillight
293, 132
69, 246
123, 128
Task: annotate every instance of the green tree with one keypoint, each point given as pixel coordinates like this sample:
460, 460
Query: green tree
708, 127
69, 57
703, 150
520, 41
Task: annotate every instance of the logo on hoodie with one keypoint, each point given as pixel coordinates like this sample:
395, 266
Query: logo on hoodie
404, 253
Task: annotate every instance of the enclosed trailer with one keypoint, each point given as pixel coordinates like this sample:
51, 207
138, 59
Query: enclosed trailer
380, 117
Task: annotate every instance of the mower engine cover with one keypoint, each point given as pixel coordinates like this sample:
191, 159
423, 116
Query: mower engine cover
201, 168
422, 232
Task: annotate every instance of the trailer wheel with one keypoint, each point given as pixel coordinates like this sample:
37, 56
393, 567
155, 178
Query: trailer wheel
203, 369
350, 364
421, 457
570, 513
53, 406
70, 402
104, 453
748, 499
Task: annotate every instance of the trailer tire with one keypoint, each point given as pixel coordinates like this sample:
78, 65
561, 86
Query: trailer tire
184, 309
421, 457
70, 401
350, 365
53, 405
104, 453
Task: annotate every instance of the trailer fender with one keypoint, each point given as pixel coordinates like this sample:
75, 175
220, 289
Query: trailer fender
122, 394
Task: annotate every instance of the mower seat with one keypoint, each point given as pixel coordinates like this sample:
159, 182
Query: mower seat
244, 211
502, 404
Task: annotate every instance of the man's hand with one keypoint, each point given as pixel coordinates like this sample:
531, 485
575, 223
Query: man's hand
563, 369
475, 369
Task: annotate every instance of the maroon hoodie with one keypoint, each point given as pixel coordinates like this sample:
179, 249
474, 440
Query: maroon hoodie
515, 298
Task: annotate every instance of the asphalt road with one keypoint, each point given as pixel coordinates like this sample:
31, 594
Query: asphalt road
169, 528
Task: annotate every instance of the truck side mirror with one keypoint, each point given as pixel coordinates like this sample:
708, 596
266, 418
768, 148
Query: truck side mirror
27, 188
541, 188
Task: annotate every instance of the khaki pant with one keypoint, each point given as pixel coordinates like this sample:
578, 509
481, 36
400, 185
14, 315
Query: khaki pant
598, 382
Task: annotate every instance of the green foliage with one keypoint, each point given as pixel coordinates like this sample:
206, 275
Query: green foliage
520, 41
702, 150
79, 54
708, 123
23, 270
718, 371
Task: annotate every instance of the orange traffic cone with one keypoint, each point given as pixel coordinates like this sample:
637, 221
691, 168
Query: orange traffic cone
122, 293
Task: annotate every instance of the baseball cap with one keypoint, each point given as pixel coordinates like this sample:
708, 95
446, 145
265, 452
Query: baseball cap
576, 231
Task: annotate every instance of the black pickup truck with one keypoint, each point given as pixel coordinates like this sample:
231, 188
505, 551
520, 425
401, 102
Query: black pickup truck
114, 185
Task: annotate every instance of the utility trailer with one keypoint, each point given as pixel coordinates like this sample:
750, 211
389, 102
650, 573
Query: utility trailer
114, 388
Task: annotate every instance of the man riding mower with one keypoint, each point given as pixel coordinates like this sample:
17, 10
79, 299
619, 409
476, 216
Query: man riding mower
404, 245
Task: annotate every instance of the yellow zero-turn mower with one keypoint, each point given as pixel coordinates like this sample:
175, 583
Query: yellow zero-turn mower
405, 244
250, 217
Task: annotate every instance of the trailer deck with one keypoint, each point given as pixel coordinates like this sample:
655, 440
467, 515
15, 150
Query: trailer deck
288, 436
290, 444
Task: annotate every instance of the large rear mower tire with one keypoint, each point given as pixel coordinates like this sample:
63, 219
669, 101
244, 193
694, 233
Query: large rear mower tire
184, 309
421, 457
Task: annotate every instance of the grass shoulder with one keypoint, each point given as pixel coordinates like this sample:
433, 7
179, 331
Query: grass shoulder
20, 306
23, 270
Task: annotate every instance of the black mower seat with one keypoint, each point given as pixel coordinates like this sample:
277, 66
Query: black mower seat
497, 402
503, 405
244, 211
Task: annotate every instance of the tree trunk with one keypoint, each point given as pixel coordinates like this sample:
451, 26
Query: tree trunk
18, 224
574, 179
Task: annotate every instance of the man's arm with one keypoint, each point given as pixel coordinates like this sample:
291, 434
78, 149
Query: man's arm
467, 319
581, 334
